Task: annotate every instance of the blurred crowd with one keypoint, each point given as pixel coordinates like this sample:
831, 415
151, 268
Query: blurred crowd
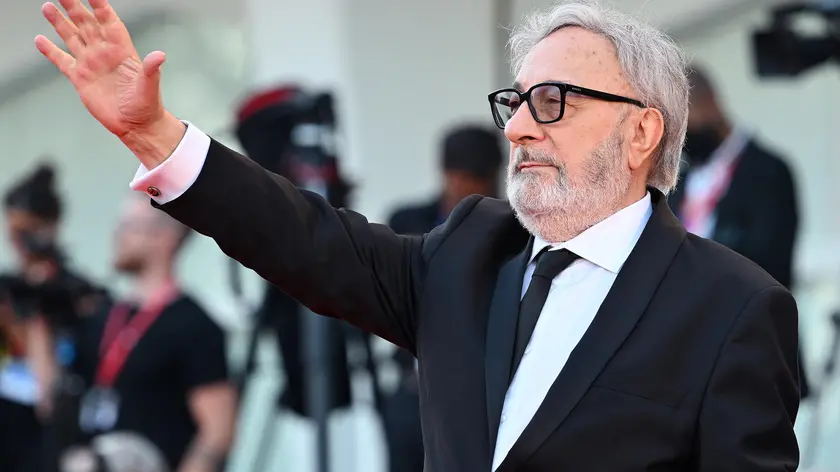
90, 381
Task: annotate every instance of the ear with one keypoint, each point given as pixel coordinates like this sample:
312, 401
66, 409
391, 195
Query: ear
648, 129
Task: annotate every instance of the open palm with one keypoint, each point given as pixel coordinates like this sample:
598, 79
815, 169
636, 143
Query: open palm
118, 89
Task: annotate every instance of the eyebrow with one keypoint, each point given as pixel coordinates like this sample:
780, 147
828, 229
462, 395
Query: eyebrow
517, 85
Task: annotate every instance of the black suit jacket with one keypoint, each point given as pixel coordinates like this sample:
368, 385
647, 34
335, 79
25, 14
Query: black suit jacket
758, 216
670, 376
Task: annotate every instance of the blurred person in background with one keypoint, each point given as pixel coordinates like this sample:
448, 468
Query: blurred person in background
471, 159
155, 363
41, 307
735, 191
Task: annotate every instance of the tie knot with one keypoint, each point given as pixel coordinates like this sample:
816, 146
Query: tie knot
551, 263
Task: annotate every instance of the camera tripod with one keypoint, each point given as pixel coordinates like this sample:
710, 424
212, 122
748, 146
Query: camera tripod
829, 369
321, 390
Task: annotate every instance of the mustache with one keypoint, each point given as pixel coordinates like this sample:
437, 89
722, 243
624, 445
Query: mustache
522, 155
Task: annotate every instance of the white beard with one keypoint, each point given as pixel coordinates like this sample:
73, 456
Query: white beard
557, 210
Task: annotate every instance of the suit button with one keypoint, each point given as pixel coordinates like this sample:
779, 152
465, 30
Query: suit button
153, 191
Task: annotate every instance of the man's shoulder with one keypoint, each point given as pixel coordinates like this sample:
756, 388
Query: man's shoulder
479, 213
712, 264
769, 160
478, 227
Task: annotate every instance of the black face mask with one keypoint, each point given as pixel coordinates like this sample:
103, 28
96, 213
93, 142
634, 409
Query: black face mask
701, 143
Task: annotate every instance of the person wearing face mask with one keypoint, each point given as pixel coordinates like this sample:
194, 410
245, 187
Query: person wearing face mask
735, 191
42, 304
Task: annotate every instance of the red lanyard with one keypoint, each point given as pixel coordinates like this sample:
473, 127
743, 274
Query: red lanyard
121, 335
697, 210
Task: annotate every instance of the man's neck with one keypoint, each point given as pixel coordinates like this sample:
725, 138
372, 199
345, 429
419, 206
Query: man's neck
150, 282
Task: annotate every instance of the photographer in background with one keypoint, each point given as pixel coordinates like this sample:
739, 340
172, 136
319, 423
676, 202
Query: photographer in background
40, 307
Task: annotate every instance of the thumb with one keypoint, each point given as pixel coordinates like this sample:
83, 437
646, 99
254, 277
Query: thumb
149, 84
152, 63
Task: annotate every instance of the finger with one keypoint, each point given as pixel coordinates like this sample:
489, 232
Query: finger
65, 29
152, 64
84, 20
113, 29
103, 12
63, 61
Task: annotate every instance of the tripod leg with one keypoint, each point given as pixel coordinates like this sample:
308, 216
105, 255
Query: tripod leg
266, 445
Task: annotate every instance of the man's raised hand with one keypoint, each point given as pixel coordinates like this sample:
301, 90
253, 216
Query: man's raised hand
121, 91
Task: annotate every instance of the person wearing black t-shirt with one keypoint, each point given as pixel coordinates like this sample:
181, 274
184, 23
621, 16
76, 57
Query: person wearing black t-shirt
166, 375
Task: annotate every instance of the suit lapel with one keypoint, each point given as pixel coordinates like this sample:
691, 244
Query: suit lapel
501, 330
621, 310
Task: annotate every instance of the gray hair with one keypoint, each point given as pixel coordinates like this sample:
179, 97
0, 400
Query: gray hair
652, 63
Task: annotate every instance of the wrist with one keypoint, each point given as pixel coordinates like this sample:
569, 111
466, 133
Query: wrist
154, 144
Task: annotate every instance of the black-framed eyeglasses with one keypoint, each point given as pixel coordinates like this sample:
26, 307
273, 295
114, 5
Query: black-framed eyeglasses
546, 100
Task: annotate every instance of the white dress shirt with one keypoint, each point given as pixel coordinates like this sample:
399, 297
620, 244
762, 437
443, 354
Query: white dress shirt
573, 300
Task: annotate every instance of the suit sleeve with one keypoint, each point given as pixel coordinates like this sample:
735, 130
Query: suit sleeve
748, 412
333, 261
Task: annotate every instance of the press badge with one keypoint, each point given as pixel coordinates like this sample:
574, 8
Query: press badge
99, 410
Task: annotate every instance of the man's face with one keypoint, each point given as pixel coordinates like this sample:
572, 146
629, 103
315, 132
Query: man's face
566, 176
134, 238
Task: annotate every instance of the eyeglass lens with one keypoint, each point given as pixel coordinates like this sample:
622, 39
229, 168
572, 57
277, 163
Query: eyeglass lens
546, 103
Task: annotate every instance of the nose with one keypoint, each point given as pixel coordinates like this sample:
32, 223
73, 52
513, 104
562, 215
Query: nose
522, 128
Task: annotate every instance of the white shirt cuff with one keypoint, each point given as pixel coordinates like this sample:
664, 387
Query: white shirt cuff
176, 174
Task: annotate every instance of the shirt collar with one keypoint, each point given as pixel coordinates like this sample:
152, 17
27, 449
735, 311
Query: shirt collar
608, 243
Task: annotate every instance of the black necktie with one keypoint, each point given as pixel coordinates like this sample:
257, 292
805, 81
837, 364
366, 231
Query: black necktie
549, 265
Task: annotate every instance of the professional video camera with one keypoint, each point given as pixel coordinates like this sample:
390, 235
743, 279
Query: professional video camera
781, 51
290, 131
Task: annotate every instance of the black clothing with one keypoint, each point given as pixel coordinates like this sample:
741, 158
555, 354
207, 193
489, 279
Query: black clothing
670, 376
417, 219
64, 301
758, 215
20, 437
401, 408
286, 318
182, 350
